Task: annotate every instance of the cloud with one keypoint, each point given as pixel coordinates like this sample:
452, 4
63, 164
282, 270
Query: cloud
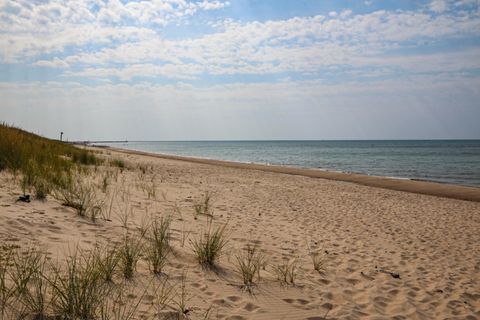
55, 63
438, 6
212, 5
32, 29
123, 41
345, 13
300, 44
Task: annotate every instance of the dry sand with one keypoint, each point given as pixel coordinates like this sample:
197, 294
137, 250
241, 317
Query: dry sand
431, 242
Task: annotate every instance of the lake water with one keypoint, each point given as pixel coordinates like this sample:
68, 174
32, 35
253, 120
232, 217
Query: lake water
449, 161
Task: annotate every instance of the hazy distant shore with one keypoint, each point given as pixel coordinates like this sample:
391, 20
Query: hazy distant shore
415, 186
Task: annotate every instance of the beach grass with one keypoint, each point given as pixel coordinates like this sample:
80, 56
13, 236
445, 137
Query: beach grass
28, 271
79, 288
43, 163
287, 271
248, 264
130, 252
158, 244
209, 245
81, 196
204, 206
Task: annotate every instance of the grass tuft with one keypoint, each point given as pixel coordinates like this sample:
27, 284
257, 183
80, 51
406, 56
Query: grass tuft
208, 247
159, 244
6, 290
130, 253
31, 286
81, 196
287, 271
123, 303
108, 260
204, 207
182, 298
119, 163
248, 265
79, 289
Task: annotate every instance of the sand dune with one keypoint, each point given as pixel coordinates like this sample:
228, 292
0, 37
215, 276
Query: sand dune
388, 254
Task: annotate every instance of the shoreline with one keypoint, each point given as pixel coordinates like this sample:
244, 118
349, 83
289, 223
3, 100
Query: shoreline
444, 190
352, 250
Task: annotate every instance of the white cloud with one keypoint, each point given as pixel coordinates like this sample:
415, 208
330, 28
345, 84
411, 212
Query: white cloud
346, 13
55, 63
212, 5
438, 6
307, 44
30, 29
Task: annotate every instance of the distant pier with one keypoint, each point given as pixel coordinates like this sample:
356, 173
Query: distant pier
87, 142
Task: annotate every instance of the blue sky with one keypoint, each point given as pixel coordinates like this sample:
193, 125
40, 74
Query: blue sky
241, 69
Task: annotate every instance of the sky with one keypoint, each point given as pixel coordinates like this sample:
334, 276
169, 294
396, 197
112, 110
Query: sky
241, 69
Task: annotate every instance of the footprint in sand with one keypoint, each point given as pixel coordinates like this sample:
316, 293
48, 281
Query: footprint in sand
250, 307
234, 298
222, 303
299, 303
54, 229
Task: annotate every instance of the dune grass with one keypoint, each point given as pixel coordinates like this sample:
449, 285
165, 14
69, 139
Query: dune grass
79, 288
287, 271
6, 290
204, 206
43, 163
108, 260
119, 163
81, 196
208, 247
182, 298
248, 264
122, 303
158, 244
130, 252
28, 276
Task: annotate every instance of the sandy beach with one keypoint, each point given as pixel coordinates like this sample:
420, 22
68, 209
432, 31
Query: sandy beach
391, 249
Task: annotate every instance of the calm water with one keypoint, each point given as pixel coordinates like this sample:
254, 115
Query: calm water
450, 161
